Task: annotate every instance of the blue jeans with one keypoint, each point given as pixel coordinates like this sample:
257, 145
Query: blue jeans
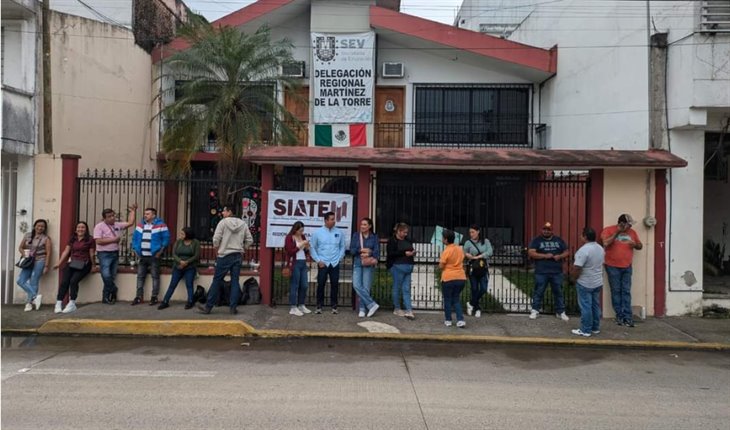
478, 289
589, 300
452, 292
29, 278
334, 274
108, 263
402, 285
177, 275
556, 284
619, 279
362, 281
230, 263
299, 283
151, 265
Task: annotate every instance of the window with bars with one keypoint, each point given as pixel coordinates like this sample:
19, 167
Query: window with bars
493, 115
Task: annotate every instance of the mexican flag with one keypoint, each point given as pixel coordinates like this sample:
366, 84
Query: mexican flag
340, 135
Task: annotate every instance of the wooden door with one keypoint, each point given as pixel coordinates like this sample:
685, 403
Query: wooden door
389, 116
298, 106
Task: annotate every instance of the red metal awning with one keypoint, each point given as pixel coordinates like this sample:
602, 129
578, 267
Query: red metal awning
470, 159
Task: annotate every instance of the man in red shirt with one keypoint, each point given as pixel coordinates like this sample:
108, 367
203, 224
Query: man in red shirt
620, 241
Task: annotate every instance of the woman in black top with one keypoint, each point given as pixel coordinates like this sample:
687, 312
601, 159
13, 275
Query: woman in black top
400, 263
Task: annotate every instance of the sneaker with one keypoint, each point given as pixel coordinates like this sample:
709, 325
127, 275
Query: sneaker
70, 307
203, 309
562, 316
398, 313
318, 311
534, 314
28, 307
579, 332
334, 311
629, 323
361, 314
469, 308
618, 321
232, 310
304, 309
37, 302
154, 301
59, 307
478, 314
112, 298
595, 331
295, 311
163, 305
136, 301
372, 310
461, 324
409, 315
188, 305
447, 323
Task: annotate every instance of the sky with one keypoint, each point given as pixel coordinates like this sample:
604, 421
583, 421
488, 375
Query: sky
436, 10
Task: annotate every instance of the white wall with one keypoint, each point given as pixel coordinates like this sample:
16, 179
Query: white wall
340, 16
110, 11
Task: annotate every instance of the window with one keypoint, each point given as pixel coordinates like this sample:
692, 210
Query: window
469, 116
716, 156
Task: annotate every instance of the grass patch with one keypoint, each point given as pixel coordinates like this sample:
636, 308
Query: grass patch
524, 280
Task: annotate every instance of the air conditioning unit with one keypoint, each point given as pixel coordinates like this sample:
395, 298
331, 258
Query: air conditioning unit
294, 69
392, 70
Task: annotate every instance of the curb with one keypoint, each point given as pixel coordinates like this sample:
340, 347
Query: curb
163, 328
238, 328
542, 341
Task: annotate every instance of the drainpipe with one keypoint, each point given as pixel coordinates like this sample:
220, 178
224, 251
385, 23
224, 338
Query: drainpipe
47, 96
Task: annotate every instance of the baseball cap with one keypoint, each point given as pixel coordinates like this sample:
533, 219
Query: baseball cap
626, 218
547, 226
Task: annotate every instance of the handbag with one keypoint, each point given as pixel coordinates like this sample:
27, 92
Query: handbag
25, 262
369, 260
477, 266
77, 264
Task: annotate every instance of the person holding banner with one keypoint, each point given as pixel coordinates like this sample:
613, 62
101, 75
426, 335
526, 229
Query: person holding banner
365, 251
400, 263
327, 248
296, 247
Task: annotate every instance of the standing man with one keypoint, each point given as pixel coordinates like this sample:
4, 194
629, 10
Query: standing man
327, 247
548, 252
107, 235
150, 239
620, 241
231, 237
587, 272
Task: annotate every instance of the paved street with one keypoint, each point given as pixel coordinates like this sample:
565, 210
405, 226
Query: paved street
117, 383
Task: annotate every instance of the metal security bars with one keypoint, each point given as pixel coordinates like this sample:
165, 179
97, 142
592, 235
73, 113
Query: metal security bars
715, 16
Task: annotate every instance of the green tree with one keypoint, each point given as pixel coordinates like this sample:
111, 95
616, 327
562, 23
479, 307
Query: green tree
227, 83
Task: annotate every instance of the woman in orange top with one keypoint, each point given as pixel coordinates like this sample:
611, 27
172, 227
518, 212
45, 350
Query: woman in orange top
453, 278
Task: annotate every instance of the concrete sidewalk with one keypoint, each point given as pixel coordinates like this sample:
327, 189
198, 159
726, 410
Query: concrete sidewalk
264, 321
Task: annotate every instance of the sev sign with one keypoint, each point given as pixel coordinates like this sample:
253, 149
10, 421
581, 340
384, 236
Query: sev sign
343, 72
287, 207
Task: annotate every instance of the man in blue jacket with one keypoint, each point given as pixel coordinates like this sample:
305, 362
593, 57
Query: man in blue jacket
327, 247
150, 239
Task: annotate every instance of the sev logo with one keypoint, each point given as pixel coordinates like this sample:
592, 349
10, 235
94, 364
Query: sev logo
324, 48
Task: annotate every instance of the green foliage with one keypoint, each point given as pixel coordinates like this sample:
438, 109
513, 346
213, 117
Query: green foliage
713, 254
230, 81
524, 280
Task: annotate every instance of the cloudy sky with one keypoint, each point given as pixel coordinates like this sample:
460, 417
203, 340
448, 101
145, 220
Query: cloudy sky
441, 10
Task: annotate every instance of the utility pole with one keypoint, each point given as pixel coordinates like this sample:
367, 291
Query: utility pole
47, 95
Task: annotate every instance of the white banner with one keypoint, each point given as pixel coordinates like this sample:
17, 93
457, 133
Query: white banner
343, 71
287, 207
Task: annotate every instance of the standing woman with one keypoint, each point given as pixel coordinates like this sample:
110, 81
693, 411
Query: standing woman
453, 278
35, 244
185, 255
400, 263
296, 248
477, 250
365, 251
82, 252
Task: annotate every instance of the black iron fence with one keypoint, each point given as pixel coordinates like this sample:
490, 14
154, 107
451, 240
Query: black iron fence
512, 207
192, 201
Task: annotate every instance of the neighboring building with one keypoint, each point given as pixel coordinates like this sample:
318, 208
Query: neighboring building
610, 93
457, 129
495, 17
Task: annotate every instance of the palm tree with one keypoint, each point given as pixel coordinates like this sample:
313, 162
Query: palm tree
227, 83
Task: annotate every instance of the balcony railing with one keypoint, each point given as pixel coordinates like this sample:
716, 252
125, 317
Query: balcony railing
300, 131
507, 134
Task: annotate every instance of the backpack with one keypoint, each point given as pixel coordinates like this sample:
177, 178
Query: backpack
199, 296
478, 268
251, 292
